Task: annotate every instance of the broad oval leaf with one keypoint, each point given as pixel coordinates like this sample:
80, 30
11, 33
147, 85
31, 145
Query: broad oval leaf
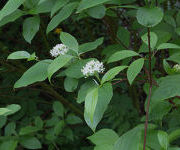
74, 70
105, 94
11, 17
84, 4
163, 139
97, 12
121, 55
131, 140
3, 111
112, 73
59, 4
10, 7
36, 73
167, 88
90, 46
58, 108
153, 39
149, 17
58, 63
174, 135
123, 35
167, 46
19, 55
70, 84
13, 108
104, 136
69, 41
61, 16
134, 69
28, 130
31, 143
84, 89
91, 102
30, 28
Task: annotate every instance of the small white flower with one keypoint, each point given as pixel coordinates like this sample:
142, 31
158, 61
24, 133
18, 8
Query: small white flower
59, 49
177, 68
92, 67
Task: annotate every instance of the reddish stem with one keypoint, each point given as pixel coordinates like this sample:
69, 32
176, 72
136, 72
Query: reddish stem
150, 91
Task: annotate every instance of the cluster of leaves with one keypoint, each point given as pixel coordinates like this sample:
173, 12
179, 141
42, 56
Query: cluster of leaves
54, 107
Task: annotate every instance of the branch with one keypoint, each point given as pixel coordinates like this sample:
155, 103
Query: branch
49, 90
150, 91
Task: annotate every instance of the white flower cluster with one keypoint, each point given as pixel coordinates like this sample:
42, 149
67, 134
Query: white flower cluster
59, 49
92, 67
176, 68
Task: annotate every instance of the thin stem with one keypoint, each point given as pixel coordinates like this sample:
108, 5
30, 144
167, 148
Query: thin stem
150, 91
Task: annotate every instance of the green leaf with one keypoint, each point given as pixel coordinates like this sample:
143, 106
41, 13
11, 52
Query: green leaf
91, 102
38, 122
31, 143
84, 89
9, 145
174, 148
10, 7
3, 120
72, 119
58, 5
61, 16
85, 4
149, 17
74, 70
32, 57
163, 139
30, 28
70, 84
112, 73
43, 7
170, 20
58, 108
36, 73
131, 140
57, 64
158, 111
11, 17
174, 135
19, 55
59, 127
175, 58
10, 129
177, 30
13, 108
104, 147
123, 35
167, 46
167, 67
134, 69
178, 18
167, 88
105, 94
4, 111
90, 46
121, 55
28, 130
104, 136
153, 39
97, 12
69, 41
